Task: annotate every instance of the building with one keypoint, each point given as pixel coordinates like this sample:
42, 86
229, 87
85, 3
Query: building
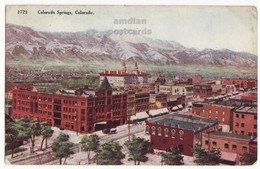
166, 89
220, 111
180, 90
245, 120
157, 101
9, 87
243, 83
77, 112
120, 78
231, 145
202, 91
141, 102
178, 130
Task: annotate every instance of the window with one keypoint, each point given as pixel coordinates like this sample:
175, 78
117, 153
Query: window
216, 112
234, 147
242, 124
223, 119
242, 132
255, 126
237, 115
243, 116
173, 133
209, 111
244, 148
147, 129
237, 124
166, 131
214, 143
159, 129
226, 145
223, 113
207, 142
255, 117
181, 134
153, 130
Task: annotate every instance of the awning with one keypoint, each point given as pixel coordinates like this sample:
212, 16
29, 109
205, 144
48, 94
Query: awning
132, 118
102, 122
164, 110
228, 156
154, 112
175, 108
180, 106
141, 115
157, 112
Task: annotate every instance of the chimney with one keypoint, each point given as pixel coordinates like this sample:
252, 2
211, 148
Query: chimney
78, 93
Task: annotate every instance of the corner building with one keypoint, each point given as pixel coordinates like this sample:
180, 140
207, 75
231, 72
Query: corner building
78, 112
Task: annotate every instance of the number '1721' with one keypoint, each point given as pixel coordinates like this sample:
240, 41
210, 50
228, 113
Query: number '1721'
22, 11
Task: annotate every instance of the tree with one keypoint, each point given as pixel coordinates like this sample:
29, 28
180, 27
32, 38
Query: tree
248, 158
46, 133
172, 157
203, 157
12, 138
34, 130
29, 130
109, 153
138, 148
89, 143
61, 147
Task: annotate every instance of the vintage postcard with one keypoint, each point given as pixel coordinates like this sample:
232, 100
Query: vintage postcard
130, 85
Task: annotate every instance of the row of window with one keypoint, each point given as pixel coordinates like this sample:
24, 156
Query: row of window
70, 102
243, 116
68, 109
70, 117
166, 132
226, 145
45, 112
216, 112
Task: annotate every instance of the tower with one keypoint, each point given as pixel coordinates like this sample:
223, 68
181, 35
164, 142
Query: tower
124, 67
136, 67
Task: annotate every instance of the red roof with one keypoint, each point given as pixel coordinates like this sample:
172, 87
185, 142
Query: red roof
122, 73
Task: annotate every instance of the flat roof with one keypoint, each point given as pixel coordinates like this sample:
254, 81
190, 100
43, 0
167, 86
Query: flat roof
230, 135
247, 109
186, 122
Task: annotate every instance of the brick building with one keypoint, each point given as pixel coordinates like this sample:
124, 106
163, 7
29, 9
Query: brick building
245, 120
219, 111
178, 130
81, 112
202, 91
9, 87
240, 82
231, 145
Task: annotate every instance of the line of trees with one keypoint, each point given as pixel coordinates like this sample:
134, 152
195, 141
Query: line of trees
16, 132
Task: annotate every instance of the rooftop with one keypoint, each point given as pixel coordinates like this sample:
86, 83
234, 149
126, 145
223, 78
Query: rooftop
105, 85
232, 135
247, 109
186, 122
122, 73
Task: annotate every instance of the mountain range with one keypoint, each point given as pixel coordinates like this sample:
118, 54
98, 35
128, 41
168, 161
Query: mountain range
24, 43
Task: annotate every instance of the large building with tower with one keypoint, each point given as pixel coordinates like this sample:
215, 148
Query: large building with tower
80, 112
121, 78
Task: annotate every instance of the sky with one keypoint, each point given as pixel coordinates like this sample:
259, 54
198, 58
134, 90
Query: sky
199, 27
